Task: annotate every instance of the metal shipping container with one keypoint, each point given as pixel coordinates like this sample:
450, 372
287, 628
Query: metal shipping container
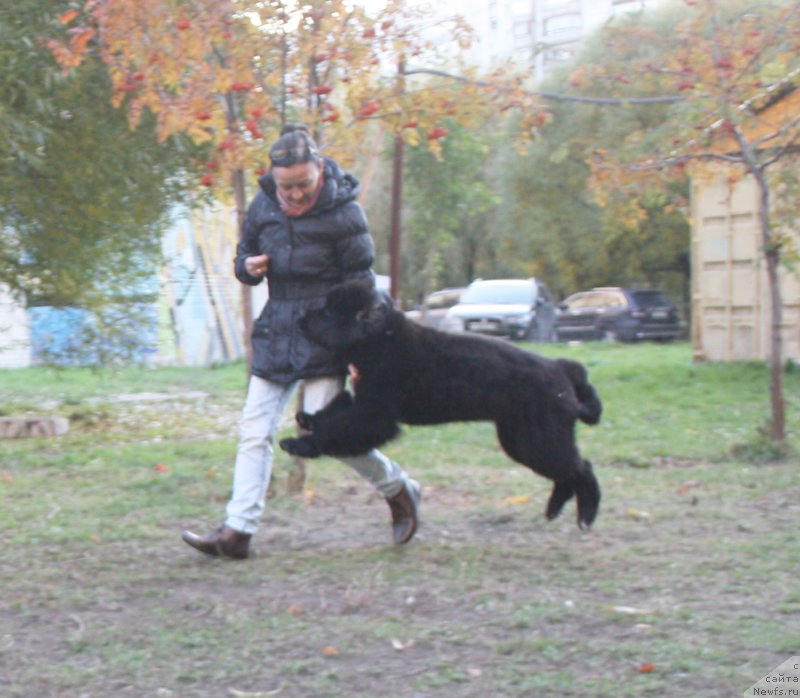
730, 294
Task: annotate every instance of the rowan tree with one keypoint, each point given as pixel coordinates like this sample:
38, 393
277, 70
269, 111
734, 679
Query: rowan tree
230, 74
724, 64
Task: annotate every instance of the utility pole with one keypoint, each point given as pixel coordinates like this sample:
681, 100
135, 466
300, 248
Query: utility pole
396, 229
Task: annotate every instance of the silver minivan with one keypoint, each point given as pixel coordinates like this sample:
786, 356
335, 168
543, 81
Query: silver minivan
514, 308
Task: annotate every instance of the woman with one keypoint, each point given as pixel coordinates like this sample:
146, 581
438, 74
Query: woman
305, 232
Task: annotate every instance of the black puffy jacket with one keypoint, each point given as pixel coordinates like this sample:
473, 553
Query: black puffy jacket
308, 255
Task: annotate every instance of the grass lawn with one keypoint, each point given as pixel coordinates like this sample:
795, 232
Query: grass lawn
686, 585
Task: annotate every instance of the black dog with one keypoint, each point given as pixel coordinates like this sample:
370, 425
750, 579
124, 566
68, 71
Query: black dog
418, 375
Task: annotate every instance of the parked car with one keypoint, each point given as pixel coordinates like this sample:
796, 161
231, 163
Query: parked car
618, 314
515, 308
435, 306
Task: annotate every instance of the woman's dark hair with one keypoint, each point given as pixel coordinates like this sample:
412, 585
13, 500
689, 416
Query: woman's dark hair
294, 146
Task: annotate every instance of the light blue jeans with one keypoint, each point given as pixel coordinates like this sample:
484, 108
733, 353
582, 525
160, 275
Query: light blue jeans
260, 421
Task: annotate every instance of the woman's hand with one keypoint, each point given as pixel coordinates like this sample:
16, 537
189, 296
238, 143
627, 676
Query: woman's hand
258, 265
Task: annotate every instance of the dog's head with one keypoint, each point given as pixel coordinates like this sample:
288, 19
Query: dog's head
353, 312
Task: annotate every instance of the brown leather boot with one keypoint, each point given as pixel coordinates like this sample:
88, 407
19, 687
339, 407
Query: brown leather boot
224, 541
404, 512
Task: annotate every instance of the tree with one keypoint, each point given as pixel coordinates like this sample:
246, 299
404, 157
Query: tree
27, 79
727, 61
542, 220
550, 224
231, 73
448, 199
82, 199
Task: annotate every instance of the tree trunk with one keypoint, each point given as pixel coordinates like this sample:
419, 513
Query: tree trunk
239, 187
772, 254
240, 197
396, 222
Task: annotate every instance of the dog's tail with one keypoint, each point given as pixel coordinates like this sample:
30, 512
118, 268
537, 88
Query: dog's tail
589, 406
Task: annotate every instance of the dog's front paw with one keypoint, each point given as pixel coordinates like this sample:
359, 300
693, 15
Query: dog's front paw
305, 421
302, 447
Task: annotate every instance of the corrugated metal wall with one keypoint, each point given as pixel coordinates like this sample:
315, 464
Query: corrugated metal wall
200, 301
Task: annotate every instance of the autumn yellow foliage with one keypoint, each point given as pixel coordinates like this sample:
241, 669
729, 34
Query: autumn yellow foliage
232, 73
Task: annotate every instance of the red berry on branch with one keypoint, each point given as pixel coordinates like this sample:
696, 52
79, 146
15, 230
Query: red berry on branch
369, 109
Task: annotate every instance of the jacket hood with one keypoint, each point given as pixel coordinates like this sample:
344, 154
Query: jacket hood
339, 188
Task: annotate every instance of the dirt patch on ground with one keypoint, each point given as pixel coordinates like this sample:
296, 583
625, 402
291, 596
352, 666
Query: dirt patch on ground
685, 587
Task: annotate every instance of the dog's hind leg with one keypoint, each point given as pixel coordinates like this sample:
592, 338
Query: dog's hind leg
553, 455
516, 442
561, 494
587, 491
513, 437
584, 486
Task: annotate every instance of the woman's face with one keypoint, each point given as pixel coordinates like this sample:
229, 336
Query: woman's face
298, 183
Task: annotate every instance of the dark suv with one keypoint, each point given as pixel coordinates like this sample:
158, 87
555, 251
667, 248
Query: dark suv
618, 314
514, 308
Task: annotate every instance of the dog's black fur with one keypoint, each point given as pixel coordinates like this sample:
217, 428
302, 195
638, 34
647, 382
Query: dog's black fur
418, 375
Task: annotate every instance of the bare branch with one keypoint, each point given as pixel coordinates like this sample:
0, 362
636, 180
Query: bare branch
613, 101
780, 153
781, 132
683, 159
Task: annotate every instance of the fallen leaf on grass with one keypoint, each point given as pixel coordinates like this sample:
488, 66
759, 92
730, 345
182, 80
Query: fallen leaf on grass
519, 499
637, 514
296, 610
401, 646
329, 651
631, 611
258, 694
646, 668
161, 468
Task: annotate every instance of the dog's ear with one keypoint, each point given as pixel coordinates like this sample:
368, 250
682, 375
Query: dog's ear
374, 317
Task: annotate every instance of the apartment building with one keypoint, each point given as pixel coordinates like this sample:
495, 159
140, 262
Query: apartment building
540, 33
